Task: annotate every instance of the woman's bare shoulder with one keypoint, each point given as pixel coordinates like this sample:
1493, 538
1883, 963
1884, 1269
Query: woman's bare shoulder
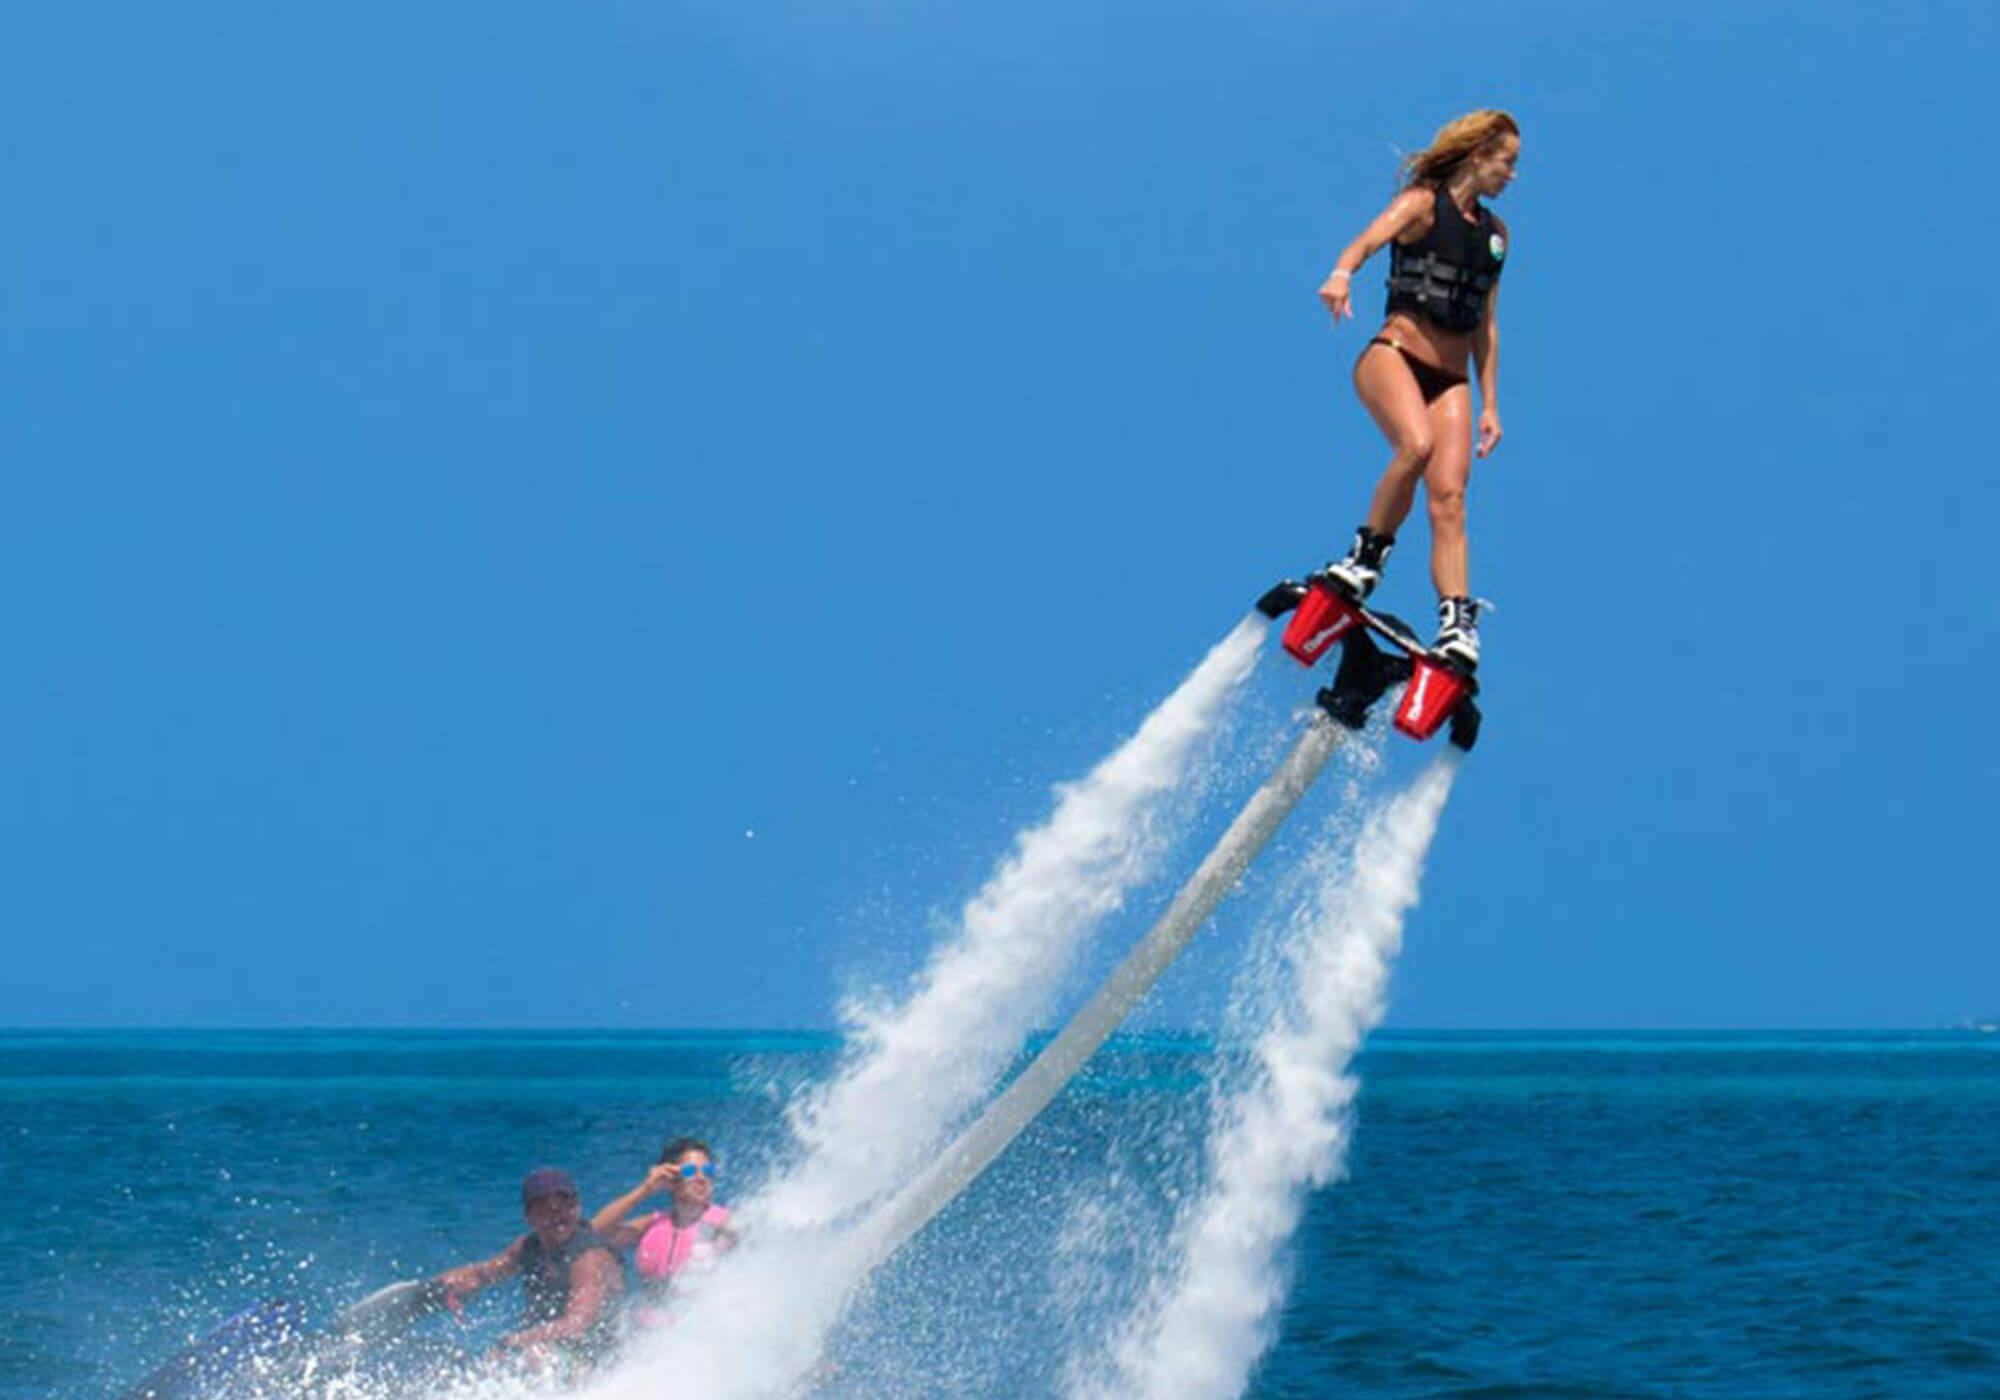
1411, 211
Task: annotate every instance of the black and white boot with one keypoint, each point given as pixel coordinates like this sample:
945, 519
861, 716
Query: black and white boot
1361, 570
1458, 631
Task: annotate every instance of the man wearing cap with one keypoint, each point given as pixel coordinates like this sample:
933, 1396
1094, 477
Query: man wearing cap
570, 1278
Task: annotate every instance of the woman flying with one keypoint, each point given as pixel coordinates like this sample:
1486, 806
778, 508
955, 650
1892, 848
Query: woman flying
1446, 251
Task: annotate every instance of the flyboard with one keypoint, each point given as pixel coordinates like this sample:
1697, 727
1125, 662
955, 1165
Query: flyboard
1439, 691
272, 1340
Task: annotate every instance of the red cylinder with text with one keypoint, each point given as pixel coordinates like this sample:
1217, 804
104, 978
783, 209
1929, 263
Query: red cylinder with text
1434, 692
1323, 618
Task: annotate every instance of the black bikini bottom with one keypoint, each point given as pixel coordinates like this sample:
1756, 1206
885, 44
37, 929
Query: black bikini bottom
1432, 382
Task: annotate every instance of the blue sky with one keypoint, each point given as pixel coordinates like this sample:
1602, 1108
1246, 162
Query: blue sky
466, 465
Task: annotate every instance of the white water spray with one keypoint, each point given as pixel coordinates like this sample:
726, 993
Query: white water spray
759, 1323
1199, 1334
918, 1067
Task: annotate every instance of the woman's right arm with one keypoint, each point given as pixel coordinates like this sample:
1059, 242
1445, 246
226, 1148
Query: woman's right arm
610, 1216
1406, 209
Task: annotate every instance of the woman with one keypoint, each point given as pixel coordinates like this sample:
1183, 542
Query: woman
1446, 254
689, 1235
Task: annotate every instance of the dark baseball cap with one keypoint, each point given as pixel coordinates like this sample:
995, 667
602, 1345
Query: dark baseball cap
546, 1181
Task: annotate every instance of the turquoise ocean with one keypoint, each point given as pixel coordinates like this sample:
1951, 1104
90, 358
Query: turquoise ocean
1521, 1215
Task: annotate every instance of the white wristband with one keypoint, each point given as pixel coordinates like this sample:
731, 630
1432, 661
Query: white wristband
1339, 272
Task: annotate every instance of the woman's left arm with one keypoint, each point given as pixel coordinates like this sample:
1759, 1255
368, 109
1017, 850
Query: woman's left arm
1486, 355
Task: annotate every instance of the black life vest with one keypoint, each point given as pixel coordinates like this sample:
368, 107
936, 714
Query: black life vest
1445, 276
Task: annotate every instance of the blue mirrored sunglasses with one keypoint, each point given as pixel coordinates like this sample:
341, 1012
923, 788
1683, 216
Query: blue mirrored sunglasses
691, 1170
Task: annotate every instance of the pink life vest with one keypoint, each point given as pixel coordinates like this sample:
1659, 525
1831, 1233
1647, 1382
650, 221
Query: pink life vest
665, 1249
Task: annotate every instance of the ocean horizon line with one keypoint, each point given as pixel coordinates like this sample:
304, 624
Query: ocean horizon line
1954, 1026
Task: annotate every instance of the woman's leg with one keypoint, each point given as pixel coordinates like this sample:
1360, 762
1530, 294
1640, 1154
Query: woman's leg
1445, 477
1388, 390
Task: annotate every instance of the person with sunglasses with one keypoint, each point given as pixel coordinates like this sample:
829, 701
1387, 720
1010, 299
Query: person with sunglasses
689, 1236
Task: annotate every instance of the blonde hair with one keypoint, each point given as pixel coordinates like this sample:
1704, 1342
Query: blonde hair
1456, 142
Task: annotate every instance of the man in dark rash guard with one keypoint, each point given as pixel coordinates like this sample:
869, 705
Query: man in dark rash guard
570, 1280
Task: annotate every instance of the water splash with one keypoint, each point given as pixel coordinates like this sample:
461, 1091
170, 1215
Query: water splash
918, 1067
759, 1325
1201, 1330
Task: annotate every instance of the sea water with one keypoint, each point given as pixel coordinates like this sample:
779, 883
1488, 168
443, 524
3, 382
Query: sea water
1521, 1215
